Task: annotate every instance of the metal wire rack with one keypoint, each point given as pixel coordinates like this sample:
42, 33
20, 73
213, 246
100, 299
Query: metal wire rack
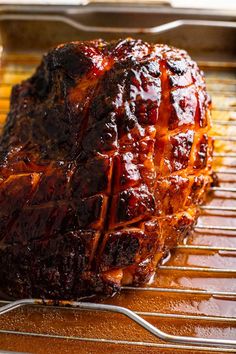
202, 270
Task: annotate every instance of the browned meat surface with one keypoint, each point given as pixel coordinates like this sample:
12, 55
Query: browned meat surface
105, 158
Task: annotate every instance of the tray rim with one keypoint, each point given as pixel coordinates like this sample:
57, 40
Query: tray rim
85, 6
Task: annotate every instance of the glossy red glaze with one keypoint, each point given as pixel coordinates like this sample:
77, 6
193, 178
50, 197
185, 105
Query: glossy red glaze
105, 158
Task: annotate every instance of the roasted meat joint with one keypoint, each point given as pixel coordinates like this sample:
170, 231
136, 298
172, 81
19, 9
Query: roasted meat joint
104, 160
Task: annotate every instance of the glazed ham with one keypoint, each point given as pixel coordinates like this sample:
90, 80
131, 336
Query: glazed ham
104, 161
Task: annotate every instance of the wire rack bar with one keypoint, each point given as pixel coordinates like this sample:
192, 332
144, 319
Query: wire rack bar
230, 294
122, 342
169, 315
224, 122
224, 138
128, 313
223, 80
223, 189
223, 93
205, 248
184, 291
198, 269
187, 317
226, 172
217, 227
217, 208
225, 154
223, 108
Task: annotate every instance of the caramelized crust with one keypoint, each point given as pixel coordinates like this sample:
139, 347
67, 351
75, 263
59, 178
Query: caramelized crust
105, 158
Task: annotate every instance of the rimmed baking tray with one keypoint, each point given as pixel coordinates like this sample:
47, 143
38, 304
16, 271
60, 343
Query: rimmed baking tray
194, 292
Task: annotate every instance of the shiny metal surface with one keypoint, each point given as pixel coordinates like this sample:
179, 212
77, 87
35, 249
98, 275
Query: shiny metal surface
130, 314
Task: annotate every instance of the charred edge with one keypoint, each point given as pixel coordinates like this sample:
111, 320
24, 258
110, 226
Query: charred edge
95, 264
96, 259
85, 115
18, 212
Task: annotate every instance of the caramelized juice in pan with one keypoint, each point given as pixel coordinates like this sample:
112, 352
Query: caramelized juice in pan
161, 308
